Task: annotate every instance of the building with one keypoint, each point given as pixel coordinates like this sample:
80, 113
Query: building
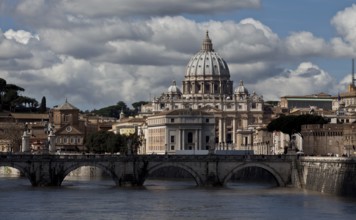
329, 139
68, 129
207, 87
317, 101
175, 130
337, 137
347, 100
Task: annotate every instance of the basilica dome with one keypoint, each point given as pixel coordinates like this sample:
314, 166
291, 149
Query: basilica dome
207, 62
173, 89
241, 89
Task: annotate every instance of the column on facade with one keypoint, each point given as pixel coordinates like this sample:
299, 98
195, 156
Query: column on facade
238, 139
220, 130
179, 140
234, 132
167, 140
199, 138
220, 87
224, 131
183, 140
202, 87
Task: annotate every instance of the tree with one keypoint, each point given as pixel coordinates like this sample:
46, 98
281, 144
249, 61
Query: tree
11, 100
23, 103
43, 105
137, 105
12, 133
132, 143
96, 142
2, 91
113, 110
292, 124
105, 141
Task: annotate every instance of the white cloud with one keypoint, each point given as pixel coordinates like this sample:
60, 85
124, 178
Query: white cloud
345, 23
20, 36
305, 44
307, 79
95, 55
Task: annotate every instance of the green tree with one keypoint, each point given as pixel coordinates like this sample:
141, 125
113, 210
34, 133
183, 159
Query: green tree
137, 105
2, 91
105, 141
132, 143
113, 110
43, 105
12, 101
23, 103
96, 142
292, 123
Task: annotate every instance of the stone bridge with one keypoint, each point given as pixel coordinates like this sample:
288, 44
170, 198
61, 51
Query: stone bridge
207, 170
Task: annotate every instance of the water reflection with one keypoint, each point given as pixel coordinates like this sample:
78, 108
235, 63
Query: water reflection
99, 198
168, 184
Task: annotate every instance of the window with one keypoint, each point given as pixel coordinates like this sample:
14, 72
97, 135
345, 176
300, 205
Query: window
172, 139
172, 147
207, 139
207, 120
172, 120
190, 137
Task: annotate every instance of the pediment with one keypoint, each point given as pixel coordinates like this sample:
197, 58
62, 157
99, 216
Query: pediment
69, 129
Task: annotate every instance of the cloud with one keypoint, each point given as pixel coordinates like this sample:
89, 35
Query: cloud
345, 24
125, 8
305, 44
20, 36
104, 52
306, 79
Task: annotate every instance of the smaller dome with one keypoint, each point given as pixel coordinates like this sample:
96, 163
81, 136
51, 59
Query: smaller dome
173, 89
241, 89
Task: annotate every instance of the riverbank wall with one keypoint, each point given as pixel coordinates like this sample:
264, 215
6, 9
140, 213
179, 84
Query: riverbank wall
331, 175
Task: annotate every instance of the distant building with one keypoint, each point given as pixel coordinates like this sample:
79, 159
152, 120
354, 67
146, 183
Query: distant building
69, 131
329, 139
319, 101
180, 129
207, 87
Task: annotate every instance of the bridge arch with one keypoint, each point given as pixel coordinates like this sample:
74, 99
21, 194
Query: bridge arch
75, 166
269, 169
23, 168
197, 178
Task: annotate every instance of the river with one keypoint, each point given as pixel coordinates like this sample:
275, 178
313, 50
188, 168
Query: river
82, 198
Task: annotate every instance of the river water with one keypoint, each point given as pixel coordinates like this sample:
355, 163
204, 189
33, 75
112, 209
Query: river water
86, 199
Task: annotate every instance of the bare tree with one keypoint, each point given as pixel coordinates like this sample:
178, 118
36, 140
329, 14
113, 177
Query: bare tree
12, 134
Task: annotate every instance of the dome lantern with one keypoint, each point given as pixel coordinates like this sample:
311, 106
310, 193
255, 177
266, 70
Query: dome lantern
207, 44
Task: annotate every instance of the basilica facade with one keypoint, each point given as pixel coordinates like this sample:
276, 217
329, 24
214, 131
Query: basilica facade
207, 87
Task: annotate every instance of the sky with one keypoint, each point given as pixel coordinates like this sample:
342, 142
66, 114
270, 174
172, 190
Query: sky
97, 53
